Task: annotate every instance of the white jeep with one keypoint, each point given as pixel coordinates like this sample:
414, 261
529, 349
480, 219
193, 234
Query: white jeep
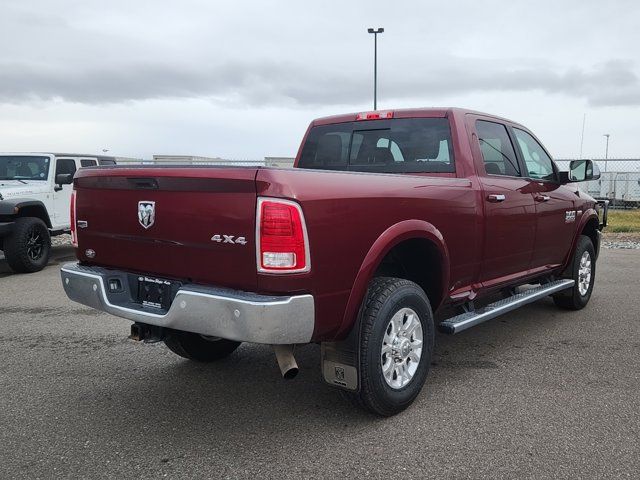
35, 194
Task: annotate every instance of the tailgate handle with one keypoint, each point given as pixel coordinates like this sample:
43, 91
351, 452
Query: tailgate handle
144, 183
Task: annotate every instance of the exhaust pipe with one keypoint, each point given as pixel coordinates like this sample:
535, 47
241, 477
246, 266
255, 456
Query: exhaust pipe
286, 360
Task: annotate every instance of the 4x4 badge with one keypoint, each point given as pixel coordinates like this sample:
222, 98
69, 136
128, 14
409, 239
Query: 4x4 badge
146, 213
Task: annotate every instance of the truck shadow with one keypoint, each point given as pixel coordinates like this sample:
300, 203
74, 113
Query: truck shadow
244, 396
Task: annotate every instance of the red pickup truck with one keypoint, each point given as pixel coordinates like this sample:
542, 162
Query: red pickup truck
387, 217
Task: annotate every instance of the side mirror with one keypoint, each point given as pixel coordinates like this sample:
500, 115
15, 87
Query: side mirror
580, 171
64, 179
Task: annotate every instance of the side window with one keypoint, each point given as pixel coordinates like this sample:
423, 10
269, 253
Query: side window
85, 162
65, 165
539, 165
497, 150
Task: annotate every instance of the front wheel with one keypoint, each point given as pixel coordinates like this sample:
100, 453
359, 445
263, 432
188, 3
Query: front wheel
200, 348
582, 270
396, 344
28, 247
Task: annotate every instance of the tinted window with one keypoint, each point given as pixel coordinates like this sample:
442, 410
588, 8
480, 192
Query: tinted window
85, 162
23, 167
539, 164
411, 145
497, 150
65, 165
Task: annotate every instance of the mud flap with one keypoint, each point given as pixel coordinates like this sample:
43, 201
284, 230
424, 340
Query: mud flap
341, 360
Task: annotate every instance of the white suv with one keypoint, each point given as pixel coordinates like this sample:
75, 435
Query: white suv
35, 194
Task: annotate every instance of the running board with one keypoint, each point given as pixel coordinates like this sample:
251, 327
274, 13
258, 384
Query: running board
469, 319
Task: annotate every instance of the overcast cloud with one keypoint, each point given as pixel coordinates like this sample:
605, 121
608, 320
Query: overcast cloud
243, 79
256, 84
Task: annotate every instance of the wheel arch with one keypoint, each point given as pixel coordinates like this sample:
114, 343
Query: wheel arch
588, 226
402, 240
25, 208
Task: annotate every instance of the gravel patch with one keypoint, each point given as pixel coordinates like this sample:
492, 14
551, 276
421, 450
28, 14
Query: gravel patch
622, 241
622, 245
61, 240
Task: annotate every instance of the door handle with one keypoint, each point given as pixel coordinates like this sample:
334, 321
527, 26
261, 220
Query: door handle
496, 197
542, 198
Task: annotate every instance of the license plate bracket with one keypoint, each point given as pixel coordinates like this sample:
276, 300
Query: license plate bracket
156, 293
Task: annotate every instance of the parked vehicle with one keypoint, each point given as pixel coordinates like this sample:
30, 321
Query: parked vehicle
620, 188
388, 217
35, 194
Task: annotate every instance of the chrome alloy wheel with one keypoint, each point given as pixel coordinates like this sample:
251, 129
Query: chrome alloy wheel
35, 245
401, 348
584, 273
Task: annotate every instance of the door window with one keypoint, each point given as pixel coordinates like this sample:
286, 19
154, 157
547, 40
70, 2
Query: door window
539, 164
65, 165
497, 151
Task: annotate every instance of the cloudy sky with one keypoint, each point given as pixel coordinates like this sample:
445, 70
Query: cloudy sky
243, 79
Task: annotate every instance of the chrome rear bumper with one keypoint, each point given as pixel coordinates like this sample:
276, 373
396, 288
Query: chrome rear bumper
217, 312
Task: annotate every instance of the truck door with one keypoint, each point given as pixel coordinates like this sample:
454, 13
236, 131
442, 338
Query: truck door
556, 217
508, 205
62, 194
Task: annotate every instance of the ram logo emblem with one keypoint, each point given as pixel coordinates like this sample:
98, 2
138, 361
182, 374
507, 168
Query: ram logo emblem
146, 213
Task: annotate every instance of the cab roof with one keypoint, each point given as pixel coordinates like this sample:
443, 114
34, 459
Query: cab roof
428, 112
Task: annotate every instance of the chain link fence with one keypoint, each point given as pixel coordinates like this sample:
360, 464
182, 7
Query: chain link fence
619, 181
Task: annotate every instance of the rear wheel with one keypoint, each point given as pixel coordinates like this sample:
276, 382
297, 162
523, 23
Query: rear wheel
583, 271
28, 247
200, 348
396, 345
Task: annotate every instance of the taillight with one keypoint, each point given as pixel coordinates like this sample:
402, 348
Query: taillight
375, 115
282, 243
72, 217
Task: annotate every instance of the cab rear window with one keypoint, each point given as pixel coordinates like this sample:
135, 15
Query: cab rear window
403, 145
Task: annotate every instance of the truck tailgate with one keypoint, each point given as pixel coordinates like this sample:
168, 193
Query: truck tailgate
191, 224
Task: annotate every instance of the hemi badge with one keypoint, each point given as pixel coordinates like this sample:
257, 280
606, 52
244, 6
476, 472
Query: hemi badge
570, 216
82, 224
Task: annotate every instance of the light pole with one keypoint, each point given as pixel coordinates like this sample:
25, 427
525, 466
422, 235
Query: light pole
606, 151
375, 32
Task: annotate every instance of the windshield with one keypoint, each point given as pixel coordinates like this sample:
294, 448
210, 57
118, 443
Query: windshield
23, 167
402, 145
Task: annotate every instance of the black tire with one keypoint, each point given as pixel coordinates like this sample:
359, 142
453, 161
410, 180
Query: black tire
386, 297
198, 347
28, 248
573, 299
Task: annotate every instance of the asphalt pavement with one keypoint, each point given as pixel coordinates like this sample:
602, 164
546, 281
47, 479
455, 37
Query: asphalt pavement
538, 393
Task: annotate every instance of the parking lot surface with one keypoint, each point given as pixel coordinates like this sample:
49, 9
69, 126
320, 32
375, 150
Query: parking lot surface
538, 393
